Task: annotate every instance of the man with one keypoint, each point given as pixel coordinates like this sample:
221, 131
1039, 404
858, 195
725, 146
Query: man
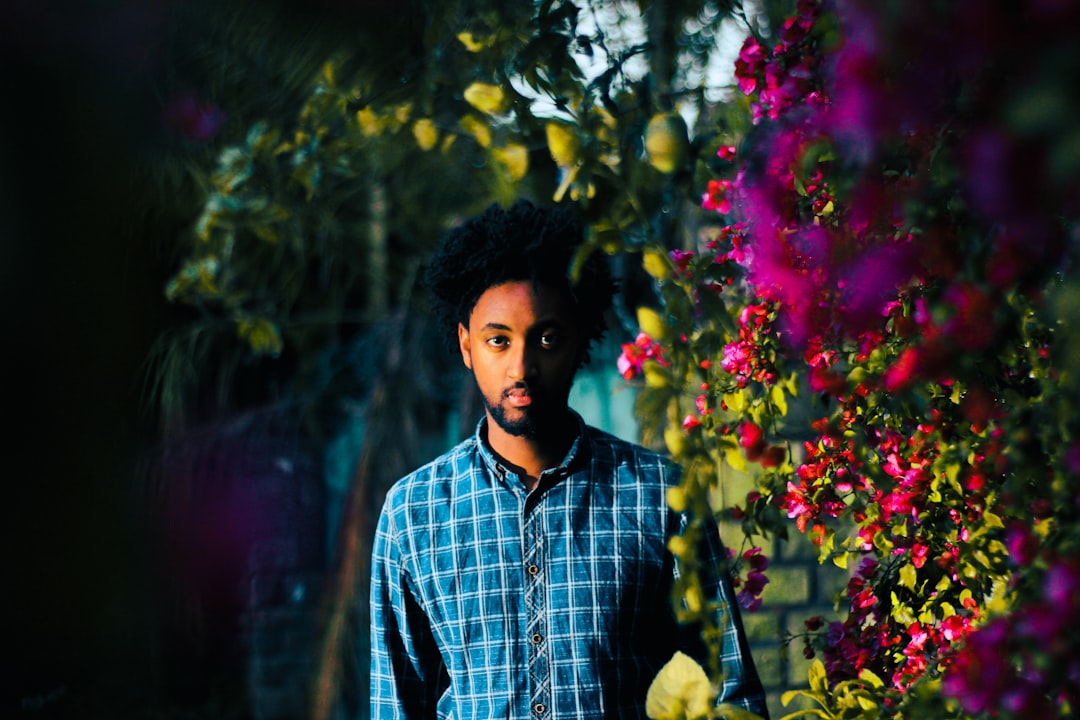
525, 573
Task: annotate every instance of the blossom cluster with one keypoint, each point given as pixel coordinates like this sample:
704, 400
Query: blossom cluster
890, 253
749, 589
631, 361
1026, 663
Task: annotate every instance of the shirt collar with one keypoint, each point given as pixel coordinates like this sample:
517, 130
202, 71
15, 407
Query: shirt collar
578, 452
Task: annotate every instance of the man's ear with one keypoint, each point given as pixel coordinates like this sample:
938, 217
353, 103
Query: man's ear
464, 345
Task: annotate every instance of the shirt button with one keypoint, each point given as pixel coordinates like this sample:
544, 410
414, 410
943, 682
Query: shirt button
534, 570
537, 638
539, 708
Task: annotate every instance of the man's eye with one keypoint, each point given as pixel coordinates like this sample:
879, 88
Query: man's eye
497, 341
550, 341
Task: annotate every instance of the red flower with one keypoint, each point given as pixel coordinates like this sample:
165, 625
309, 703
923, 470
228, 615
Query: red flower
718, 197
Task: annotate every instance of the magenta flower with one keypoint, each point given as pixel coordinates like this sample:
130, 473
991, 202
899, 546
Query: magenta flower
718, 197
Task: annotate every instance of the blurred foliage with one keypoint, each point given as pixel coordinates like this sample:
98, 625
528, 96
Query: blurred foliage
352, 136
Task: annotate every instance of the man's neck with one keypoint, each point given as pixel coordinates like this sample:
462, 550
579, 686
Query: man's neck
530, 456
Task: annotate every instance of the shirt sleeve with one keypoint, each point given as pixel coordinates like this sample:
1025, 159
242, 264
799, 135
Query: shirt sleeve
407, 674
741, 684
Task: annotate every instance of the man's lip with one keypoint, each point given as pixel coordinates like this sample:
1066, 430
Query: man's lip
519, 397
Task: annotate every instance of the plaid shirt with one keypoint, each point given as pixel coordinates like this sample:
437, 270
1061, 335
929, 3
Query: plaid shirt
491, 602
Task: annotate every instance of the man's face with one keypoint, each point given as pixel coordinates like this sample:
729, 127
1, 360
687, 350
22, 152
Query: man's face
522, 346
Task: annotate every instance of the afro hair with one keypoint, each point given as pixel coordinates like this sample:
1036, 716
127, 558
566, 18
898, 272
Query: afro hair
521, 242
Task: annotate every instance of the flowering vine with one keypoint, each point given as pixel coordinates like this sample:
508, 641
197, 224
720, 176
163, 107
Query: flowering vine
892, 249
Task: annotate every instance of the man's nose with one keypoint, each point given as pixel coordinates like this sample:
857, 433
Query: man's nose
523, 362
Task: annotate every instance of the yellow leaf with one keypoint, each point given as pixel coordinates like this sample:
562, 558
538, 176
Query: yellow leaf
563, 143
907, 576
679, 546
694, 598
680, 691
402, 113
666, 142
481, 132
515, 158
651, 323
656, 263
676, 499
576, 191
735, 458
736, 401
675, 440
816, 676
840, 560
369, 122
900, 612
486, 98
569, 174
261, 335
871, 679
727, 711
776, 394
655, 374
426, 134
471, 43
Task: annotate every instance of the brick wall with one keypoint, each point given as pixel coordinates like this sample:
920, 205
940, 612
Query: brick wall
799, 588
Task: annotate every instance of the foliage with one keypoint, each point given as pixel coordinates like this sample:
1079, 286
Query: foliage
682, 690
860, 285
314, 220
894, 248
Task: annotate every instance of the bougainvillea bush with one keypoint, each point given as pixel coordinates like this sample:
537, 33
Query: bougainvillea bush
877, 324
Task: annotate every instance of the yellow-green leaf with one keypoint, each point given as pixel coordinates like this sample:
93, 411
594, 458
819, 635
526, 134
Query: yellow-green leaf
735, 458
651, 323
514, 157
472, 43
727, 711
563, 144
776, 394
907, 576
817, 677
656, 264
870, 678
486, 98
675, 439
680, 691
736, 401
426, 134
261, 335
479, 130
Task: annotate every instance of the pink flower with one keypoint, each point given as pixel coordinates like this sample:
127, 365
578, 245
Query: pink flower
718, 197
632, 359
748, 64
752, 439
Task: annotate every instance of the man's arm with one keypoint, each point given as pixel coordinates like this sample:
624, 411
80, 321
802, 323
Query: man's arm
406, 669
741, 684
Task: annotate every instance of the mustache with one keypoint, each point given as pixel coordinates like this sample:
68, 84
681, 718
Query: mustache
521, 385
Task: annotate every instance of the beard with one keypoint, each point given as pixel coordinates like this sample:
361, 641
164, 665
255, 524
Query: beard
539, 420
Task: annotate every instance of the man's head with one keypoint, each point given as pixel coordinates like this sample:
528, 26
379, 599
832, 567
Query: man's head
521, 242
501, 281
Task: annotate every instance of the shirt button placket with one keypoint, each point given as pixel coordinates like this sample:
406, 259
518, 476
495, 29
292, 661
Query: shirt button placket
539, 677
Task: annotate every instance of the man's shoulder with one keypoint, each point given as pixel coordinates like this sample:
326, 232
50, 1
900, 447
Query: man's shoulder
609, 448
453, 463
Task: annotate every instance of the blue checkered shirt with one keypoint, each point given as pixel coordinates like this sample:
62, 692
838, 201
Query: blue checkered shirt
491, 602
